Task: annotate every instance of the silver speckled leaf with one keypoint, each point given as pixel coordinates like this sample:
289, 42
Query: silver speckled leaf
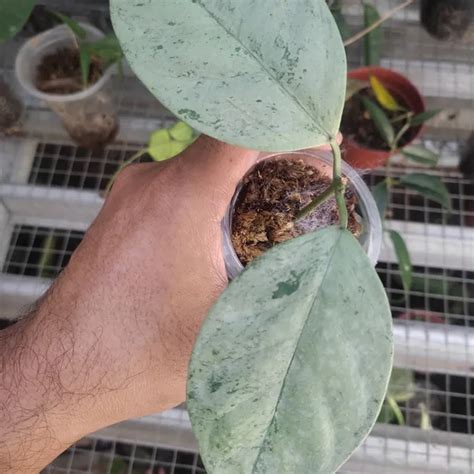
265, 74
292, 364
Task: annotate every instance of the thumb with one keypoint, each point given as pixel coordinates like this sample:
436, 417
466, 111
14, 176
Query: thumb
217, 165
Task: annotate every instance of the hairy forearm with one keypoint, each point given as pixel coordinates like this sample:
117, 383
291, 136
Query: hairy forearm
25, 435
62, 376
46, 385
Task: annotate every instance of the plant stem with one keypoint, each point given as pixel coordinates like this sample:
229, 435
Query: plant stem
337, 188
317, 201
400, 134
339, 184
392, 403
133, 158
377, 23
406, 115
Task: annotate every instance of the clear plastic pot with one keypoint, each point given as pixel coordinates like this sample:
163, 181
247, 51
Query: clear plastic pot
371, 235
89, 116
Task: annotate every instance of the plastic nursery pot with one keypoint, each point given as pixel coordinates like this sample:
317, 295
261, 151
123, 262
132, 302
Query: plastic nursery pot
89, 116
361, 157
11, 110
371, 235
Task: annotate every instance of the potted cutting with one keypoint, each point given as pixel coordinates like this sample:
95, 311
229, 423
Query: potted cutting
291, 365
274, 202
70, 68
385, 112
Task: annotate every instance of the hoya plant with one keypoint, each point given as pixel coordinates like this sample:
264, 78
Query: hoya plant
290, 369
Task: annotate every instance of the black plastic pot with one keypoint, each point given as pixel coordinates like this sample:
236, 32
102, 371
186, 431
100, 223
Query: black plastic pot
446, 19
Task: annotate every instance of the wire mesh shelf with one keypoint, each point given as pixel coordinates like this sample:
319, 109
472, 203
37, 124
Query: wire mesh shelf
95, 456
68, 166
437, 295
39, 251
37, 247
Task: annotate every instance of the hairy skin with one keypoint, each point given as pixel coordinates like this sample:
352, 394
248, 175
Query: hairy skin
112, 338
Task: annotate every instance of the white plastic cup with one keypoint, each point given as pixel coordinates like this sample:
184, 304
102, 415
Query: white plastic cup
371, 236
89, 116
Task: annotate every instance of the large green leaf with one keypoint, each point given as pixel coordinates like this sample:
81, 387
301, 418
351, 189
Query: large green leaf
428, 186
258, 73
73, 25
13, 15
291, 365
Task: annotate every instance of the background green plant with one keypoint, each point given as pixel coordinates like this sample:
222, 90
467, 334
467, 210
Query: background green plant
13, 16
15, 13
427, 185
163, 144
107, 50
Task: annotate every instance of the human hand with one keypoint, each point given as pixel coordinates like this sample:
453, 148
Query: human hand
112, 339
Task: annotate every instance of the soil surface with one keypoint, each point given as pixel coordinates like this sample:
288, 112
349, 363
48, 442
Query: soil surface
357, 124
60, 72
271, 196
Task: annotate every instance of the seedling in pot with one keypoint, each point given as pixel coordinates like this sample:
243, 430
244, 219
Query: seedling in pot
89, 58
427, 185
92, 56
69, 68
373, 113
291, 366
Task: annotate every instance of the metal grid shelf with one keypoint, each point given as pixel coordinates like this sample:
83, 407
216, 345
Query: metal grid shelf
91, 455
437, 295
68, 166
39, 251
407, 205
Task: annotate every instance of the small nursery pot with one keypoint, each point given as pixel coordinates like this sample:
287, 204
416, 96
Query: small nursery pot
371, 237
89, 116
11, 109
361, 157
